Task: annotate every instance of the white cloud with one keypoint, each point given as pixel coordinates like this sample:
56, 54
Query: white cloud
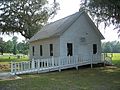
67, 7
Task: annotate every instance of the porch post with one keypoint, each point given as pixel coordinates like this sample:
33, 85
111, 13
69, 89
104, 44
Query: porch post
76, 61
91, 61
59, 64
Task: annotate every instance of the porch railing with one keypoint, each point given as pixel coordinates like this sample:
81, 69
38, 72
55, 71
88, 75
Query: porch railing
51, 64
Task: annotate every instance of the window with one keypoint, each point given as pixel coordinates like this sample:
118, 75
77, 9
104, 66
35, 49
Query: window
41, 51
33, 50
51, 49
94, 48
69, 49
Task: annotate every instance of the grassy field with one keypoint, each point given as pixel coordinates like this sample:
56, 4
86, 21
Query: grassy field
100, 78
97, 78
116, 59
7, 58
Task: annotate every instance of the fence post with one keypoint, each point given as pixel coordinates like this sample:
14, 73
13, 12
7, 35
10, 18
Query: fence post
15, 66
47, 63
91, 61
59, 64
76, 62
104, 59
33, 63
11, 66
18, 67
52, 61
38, 65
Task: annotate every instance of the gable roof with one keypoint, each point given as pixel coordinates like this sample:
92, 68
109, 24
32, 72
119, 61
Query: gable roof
56, 28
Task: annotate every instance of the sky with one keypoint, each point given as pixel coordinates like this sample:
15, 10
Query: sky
68, 7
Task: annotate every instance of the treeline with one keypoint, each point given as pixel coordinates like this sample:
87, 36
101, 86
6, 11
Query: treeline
13, 46
111, 47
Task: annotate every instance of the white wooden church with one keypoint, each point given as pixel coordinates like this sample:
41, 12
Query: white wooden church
69, 42
74, 35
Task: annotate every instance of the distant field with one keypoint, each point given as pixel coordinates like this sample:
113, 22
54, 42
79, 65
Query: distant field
7, 58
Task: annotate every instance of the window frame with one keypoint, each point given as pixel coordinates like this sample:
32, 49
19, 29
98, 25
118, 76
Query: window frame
69, 49
41, 50
51, 49
33, 50
95, 49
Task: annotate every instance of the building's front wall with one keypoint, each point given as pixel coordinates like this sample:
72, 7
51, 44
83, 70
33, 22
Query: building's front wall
45, 48
79, 29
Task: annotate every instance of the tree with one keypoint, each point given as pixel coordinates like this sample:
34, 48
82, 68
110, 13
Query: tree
14, 39
23, 47
8, 47
111, 47
1, 50
25, 16
107, 11
1, 46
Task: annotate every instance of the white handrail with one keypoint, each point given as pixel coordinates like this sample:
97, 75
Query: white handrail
53, 62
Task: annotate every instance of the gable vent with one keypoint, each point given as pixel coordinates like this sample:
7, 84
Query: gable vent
82, 39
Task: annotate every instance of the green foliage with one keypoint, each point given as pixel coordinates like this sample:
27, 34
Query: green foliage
23, 47
107, 11
14, 39
8, 46
111, 47
12, 46
1, 46
24, 16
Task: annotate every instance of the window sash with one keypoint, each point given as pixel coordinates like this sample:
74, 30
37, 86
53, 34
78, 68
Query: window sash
69, 49
94, 48
51, 49
41, 51
33, 50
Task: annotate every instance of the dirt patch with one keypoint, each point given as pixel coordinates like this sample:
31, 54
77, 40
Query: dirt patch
4, 67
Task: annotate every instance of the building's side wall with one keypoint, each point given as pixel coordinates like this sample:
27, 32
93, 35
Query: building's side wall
46, 48
80, 28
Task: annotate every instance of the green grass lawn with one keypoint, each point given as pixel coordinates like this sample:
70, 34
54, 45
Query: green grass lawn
97, 78
9, 58
100, 78
116, 59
